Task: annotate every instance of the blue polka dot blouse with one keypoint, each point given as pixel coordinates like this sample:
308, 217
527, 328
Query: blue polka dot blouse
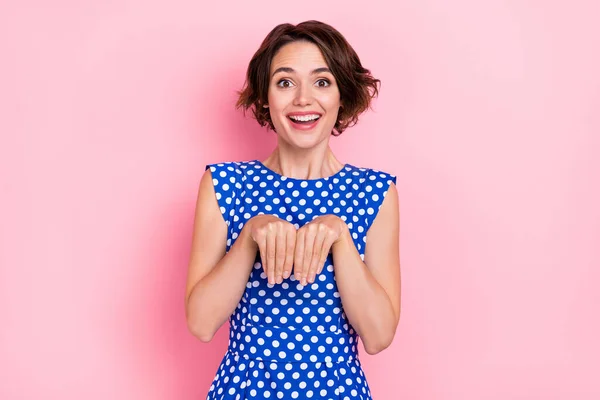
288, 341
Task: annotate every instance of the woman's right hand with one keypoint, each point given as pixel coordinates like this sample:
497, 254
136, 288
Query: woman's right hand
276, 240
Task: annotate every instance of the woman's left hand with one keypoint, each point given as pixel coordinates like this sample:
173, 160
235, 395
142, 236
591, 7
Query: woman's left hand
313, 243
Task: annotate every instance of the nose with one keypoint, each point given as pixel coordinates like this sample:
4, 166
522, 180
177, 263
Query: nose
303, 95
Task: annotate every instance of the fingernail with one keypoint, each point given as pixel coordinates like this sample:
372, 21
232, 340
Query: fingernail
286, 274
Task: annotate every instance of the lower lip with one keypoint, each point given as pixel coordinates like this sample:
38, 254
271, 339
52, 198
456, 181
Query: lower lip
304, 127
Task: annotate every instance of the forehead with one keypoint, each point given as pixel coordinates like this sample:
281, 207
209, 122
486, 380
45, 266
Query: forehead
300, 55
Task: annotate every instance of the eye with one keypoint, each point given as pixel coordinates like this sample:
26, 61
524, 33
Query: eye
283, 80
281, 83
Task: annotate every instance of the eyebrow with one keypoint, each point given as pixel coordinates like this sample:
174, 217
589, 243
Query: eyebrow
291, 70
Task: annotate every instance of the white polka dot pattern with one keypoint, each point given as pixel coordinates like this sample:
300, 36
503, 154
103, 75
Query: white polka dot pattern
289, 341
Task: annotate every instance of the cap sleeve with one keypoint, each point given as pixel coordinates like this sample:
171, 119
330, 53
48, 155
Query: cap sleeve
224, 183
376, 186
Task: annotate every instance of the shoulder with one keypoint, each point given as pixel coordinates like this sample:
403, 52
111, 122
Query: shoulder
378, 177
230, 169
223, 178
225, 175
377, 192
375, 185
224, 166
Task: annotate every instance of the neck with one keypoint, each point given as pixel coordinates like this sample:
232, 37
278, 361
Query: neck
312, 165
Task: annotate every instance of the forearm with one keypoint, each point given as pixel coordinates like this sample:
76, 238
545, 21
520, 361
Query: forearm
366, 303
215, 296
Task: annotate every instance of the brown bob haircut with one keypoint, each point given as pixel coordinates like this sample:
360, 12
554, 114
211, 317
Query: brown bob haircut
356, 85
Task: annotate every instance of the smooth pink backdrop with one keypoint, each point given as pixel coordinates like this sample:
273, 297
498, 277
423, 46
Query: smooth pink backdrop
488, 114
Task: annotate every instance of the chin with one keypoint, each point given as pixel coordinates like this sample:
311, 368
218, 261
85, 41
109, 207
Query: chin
305, 141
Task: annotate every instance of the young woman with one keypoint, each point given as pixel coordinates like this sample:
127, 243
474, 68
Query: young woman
299, 251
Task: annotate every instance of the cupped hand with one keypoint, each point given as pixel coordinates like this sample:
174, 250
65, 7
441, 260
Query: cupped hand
313, 243
276, 240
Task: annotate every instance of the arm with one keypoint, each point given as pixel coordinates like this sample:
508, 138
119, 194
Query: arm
370, 290
216, 280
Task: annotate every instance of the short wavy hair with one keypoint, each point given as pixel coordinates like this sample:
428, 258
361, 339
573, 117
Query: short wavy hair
356, 84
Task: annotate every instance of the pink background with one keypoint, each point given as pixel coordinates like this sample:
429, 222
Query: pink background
488, 114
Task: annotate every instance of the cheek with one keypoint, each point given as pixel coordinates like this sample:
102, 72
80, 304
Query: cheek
277, 102
330, 101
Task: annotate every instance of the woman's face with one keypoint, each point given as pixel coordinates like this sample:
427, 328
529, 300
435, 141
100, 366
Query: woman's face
301, 83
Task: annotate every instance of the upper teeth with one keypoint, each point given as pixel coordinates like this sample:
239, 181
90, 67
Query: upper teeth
304, 117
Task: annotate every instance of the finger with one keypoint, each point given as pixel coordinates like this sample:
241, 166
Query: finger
262, 250
327, 243
280, 255
309, 246
271, 248
289, 252
299, 254
317, 252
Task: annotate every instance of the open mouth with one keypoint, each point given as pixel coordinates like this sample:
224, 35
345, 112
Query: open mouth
304, 121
